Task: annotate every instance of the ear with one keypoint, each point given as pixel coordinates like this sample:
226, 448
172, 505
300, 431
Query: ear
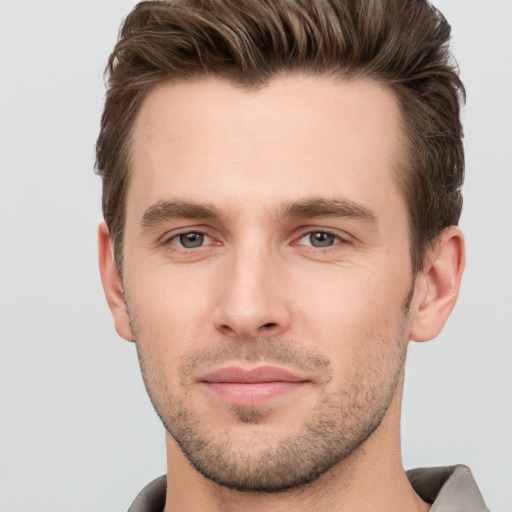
437, 285
112, 284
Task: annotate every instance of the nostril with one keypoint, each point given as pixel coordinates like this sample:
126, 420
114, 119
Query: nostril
268, 325
226, 329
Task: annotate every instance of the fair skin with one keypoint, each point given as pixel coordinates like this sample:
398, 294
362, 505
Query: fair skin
267, 283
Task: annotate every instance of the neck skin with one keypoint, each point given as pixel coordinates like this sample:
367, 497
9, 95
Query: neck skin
372, 478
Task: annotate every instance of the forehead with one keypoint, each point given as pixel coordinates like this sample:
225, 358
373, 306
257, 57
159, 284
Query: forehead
297, 137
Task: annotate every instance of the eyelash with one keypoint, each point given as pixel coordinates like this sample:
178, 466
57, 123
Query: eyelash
170, 240
339, 240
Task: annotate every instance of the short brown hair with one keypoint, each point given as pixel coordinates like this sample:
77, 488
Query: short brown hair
402, 44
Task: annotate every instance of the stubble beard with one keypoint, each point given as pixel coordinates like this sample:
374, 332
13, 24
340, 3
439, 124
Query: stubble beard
334, 431
337, 427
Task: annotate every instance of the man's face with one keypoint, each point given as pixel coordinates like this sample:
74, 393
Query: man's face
267, 272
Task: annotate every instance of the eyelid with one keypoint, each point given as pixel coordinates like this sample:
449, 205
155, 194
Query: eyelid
342, 236
207, 239
172, 234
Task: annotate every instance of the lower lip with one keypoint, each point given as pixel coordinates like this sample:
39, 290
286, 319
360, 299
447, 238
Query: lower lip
253, 394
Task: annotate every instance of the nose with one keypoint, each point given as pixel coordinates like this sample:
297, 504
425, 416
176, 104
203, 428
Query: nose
254, 301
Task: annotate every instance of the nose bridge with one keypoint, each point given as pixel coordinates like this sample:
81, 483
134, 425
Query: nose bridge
252, 302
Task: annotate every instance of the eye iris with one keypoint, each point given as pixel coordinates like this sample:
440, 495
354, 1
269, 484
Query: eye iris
191, 240
320, 239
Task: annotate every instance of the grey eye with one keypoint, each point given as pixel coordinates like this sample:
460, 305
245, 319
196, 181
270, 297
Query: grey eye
191, 240
320, 239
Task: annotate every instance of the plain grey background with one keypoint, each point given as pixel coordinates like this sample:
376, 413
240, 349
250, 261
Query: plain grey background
77, 432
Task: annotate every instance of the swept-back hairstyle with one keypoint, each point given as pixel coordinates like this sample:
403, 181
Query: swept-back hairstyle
402, 44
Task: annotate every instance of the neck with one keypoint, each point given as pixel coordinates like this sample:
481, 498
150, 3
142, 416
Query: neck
372, 478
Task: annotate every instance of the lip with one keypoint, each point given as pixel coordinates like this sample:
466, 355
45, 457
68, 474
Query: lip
251, 387
256, 375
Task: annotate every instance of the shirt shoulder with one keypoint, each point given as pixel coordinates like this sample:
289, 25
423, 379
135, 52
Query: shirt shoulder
152, 497
449, 489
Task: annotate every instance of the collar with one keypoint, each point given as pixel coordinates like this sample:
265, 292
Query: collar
449, 489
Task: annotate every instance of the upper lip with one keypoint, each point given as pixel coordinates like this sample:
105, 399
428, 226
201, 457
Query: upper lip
251, 376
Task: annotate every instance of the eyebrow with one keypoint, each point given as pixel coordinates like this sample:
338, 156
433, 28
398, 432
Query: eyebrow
303, 209
166, 210
321, 207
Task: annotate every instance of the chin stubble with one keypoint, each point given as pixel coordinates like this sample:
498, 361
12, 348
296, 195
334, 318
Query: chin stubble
339, 424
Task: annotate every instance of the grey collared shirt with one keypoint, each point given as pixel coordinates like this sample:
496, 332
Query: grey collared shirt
449, 489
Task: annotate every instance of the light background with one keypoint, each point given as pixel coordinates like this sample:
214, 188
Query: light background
77, 432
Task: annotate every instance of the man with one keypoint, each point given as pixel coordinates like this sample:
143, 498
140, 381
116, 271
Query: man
281, 191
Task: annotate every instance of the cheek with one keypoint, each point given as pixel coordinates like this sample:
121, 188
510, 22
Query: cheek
169, 304
355, 317
363, 298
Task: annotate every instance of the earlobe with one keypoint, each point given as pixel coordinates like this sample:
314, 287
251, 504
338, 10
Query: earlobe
112, 284
438, 285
